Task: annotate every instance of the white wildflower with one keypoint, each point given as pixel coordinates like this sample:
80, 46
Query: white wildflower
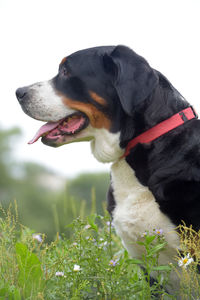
158, 231
144, 234
77, 268
87, 226
185, 261
110, 224
37, 237
60, 274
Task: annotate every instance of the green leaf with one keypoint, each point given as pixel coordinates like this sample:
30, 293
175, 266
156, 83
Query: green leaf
3, 292
30, 275
141, 243
10, 293
91, 221
16, 295
134, 261
126, 255
162, 268
156, 249
149, 239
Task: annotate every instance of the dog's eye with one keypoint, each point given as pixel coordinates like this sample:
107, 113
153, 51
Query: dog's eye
64, 72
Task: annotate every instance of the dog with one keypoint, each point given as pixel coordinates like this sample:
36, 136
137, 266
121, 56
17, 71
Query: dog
133, 117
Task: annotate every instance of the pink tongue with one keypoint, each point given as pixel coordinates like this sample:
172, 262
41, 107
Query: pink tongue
73, 125
44, 129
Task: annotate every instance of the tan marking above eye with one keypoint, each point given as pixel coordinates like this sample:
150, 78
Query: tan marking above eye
97, 98
97, 118
63, 61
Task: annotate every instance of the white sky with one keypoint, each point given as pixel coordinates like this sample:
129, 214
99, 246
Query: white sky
36, 34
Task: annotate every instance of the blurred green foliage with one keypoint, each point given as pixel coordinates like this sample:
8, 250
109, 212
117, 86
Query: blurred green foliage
80, 187
84, 195
7, 166
41, 207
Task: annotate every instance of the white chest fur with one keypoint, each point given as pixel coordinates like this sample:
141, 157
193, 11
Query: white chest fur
137, 211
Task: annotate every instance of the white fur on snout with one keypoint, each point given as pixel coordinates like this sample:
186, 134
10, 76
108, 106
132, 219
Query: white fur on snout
44, 104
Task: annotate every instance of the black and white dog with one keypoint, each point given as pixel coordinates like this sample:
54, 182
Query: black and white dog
137, 120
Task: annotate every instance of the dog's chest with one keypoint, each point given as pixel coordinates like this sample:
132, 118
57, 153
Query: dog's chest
136, 210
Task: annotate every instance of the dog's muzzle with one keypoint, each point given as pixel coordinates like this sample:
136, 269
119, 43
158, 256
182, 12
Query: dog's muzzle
21, 94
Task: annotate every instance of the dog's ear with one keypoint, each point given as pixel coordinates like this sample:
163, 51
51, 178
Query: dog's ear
132, 77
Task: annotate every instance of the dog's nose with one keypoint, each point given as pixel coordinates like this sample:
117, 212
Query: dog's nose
21, 93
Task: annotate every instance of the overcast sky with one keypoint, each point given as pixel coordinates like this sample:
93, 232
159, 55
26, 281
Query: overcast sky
36, 34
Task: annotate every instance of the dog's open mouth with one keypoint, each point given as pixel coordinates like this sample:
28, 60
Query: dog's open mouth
53, 131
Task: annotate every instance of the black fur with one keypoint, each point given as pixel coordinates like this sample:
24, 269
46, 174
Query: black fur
110, 200
139, 97
133, 77
170, 165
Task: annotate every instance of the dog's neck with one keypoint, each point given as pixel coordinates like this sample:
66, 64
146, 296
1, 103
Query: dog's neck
105, 146
147, 159
164, 102
162, 128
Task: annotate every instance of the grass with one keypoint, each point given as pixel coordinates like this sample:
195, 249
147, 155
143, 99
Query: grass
91, 265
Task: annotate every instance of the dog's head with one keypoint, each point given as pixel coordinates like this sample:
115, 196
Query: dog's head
92, 96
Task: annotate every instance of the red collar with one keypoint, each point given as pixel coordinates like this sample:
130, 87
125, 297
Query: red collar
162, 128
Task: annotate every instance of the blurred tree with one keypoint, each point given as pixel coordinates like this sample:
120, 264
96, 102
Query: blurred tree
80, 188
20, 181
84, 194
40, 206
7, 166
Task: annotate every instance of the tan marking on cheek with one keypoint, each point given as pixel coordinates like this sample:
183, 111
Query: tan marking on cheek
98, 98
97, 118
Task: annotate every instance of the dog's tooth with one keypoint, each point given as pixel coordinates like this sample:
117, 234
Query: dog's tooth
65, 122
45, 133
